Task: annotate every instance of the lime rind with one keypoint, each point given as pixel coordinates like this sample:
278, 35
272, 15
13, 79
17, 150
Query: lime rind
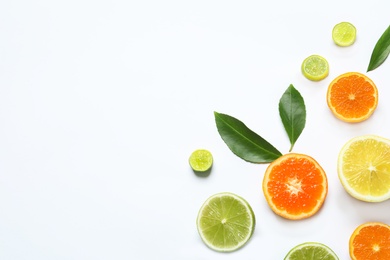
201, 160
315, 68
311, 251
344, 34
221, 232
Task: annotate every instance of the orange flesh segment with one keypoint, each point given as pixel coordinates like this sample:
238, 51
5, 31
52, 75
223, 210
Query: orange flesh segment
353, 97
296, 186
372, 242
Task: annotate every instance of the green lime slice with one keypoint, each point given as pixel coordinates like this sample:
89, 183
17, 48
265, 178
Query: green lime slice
201, 160
225, 222
344, 34
315, 67
311, 251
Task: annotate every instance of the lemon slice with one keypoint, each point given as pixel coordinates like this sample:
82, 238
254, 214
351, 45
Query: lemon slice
311, 251
315, 67
364, 168
225, 222
201, 160
344, 34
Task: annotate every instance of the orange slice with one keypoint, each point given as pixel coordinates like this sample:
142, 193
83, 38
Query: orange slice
370, 241
295, 186
352, 97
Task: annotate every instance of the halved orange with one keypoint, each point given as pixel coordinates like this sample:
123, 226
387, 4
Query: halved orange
352, 97
370, 241
295, 186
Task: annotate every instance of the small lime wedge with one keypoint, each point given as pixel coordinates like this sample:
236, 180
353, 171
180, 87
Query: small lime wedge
315, 67
344, 34
311, 251
201, 160
225, 222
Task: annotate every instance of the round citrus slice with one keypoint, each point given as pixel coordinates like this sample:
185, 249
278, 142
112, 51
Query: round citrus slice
344, 34
295, 186
311, 251
201, 160
370, 241
352, 97
315, 68
225, 222
364, 168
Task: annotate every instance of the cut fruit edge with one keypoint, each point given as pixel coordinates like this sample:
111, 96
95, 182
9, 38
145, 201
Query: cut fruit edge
367, 224
249, 209
204, 165
357, 231
311, 244
284, 213
344, 181
342, 42
311, 76
333, 108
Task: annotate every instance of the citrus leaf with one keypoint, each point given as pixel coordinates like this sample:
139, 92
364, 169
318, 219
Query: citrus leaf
243, 142
381, 51
293, 113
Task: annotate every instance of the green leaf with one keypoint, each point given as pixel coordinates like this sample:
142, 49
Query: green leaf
381, 51
243, 142
293, 113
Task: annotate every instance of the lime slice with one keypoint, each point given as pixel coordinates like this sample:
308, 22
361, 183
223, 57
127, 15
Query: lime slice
344, 34
311, 251
201, 160
315, 67
225, 222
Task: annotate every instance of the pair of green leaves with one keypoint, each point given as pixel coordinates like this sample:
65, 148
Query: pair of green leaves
250, 146
381, 51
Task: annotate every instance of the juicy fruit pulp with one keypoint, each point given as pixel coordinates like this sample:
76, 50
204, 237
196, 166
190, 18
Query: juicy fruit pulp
352, 97
364, 168
295, 186
225, 222
370, 241
344, 34
201, 160
315, 67
311, 251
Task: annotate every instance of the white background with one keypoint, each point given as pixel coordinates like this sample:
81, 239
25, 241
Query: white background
102, 102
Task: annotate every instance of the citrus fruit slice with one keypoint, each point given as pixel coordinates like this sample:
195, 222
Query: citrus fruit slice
201, 160
370, 241
311, 251
295, 186
315, 67
225, 222
344, 34
352, 97
364, 168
